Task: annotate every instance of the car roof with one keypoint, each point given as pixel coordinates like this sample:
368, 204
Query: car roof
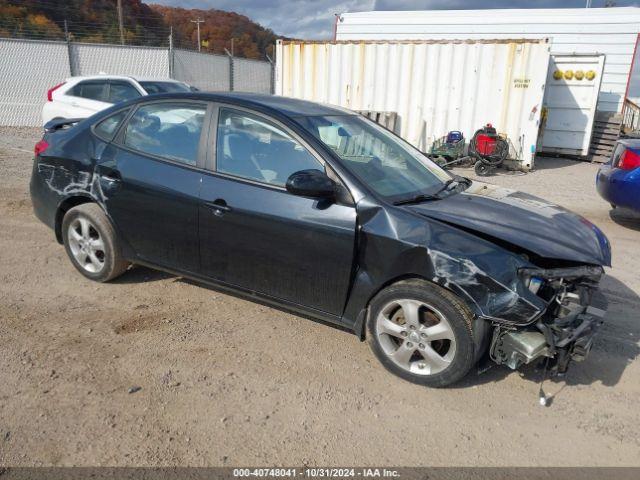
287, 106
104, 76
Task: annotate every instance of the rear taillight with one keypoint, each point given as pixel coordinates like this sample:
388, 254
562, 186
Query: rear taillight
53, 89
40, 147
630, 159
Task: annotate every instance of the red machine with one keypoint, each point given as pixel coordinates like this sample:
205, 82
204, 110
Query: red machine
489, 149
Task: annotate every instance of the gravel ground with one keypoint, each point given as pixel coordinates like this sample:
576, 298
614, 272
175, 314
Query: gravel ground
228, 382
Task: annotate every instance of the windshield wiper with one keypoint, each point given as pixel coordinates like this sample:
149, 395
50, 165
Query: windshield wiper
417, 199
452, 183
423, 197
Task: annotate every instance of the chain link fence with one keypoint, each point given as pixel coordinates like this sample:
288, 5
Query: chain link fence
28, 68
252, 76
89, 59
202, 70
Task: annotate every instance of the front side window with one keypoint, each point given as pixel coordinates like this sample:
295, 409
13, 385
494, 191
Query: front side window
106, 129
122, 91
91, 90
167, 130
251, 147
384, 162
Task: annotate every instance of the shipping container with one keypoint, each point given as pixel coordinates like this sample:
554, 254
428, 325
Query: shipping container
609, 31
432, 86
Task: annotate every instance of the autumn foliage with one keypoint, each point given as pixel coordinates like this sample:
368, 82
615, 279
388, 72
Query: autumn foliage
250, 40
97, 21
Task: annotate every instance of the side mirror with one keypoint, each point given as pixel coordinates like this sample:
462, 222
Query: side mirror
311, 183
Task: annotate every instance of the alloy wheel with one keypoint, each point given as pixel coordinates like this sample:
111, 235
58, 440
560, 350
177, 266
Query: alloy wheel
416, 336
86, 245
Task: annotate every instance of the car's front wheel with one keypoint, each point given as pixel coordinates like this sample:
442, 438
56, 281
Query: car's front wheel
422, 333
92, 244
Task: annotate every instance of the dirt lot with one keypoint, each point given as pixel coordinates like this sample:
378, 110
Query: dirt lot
228, 382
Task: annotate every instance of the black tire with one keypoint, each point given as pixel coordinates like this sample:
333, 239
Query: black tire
457, 315
482, 169
113, 264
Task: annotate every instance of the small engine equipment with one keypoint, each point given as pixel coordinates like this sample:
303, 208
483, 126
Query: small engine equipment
489, 149
449, 149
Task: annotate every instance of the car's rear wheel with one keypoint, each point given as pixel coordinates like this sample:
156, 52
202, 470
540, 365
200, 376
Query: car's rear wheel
92, 244
422, 333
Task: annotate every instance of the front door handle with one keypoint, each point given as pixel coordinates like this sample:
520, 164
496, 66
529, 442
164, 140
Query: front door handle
219, 207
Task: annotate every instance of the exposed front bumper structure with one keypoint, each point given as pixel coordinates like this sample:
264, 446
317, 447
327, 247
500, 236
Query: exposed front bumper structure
565, 331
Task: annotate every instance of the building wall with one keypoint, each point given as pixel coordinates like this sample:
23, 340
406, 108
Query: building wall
612, 31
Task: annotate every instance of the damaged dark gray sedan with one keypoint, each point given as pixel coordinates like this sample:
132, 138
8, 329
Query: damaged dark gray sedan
321, 211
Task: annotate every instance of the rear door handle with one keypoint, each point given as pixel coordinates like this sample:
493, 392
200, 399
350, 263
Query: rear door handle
109, 178
219, 207
108, 174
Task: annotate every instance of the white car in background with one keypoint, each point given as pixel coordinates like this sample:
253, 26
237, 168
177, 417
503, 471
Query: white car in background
81, 97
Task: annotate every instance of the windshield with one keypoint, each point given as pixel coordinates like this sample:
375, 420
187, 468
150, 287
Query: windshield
387, 164
164, 87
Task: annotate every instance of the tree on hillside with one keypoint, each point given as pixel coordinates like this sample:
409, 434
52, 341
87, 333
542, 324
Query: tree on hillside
97, 21
250, 40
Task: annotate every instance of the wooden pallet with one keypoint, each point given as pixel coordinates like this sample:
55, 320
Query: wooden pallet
606, 131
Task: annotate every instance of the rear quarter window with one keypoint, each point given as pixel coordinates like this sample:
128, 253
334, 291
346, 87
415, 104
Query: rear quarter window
106, 129
153, 88
617, 153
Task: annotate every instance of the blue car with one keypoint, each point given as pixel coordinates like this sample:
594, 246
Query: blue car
618, 180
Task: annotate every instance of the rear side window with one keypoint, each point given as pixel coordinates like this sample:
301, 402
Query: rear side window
91, 90
122, 91
169, 130
106, 129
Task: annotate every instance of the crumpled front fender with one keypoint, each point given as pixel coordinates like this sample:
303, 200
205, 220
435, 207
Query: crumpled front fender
394, 244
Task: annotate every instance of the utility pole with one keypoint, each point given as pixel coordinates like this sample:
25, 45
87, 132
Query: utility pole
232, 46
198, 22
120, 22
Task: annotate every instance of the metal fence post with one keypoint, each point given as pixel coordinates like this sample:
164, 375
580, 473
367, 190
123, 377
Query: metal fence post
171, 53
272, 87
230, 69
72, 68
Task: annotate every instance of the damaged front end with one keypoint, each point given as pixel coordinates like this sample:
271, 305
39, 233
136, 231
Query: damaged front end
565, 330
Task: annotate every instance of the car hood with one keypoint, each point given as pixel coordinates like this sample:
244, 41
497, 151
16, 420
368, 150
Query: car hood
536, 225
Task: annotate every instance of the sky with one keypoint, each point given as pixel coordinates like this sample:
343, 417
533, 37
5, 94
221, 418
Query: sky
314, 19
